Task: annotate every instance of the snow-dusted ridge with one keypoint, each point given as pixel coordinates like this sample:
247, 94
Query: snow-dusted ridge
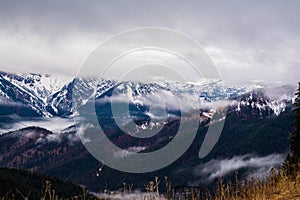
50, 95
33, 90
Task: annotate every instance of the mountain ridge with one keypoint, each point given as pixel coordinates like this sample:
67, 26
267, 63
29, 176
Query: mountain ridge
36, 92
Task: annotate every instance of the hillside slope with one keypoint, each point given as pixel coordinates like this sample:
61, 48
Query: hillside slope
15, 183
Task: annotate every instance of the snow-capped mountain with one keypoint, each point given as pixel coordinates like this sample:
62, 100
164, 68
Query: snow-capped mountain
264, 102
38, 92
48, 96
43, 147
209, 91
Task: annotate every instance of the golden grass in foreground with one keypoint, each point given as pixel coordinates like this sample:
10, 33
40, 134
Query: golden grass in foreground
274, 186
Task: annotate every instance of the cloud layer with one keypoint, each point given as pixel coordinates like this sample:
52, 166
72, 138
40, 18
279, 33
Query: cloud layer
55, 124
217, 168
246, 39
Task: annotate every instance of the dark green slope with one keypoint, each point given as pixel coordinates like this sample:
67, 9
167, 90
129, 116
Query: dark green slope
16, 183
72, 162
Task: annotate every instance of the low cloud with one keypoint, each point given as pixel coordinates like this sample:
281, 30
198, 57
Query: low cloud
216, 168
128, 151
54, 124
186, 101
8, 102
58, 126
82, 131
133, 195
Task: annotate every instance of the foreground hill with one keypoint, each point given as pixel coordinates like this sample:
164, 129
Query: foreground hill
21, 183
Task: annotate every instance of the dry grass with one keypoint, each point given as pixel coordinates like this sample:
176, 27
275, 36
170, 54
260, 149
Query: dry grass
273, 186
277, 185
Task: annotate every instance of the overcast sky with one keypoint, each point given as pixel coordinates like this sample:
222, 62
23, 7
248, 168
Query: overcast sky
247, 40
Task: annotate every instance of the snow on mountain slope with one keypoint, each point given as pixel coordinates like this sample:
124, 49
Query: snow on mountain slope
265, 101
41, 86
50, 96
32, 90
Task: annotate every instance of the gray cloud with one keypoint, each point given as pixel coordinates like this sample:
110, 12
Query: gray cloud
55, 124
218, 168
6, 102
246, 39
137, 194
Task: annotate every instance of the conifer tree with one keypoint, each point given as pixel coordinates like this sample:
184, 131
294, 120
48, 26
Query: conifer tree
295, 138
293, 159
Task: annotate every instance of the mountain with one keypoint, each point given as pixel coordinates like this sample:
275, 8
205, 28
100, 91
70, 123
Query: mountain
264, 102
65, 156
33, 91
35, 95
258, 121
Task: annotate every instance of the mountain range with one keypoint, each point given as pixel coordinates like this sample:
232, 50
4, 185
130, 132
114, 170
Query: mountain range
258, 122
36, 95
